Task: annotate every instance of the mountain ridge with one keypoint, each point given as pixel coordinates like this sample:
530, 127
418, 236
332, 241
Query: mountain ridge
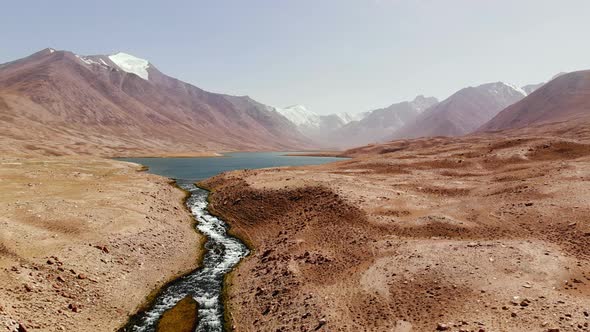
101, 109
564, 98
462, 112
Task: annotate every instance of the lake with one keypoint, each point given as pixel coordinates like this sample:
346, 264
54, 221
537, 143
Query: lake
194, 169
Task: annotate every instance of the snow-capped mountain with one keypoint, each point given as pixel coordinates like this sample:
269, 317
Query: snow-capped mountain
121, 104
315, 125
459, 114
300, 116
343, 130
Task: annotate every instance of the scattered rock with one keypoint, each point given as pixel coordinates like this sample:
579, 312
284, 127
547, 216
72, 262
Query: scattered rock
266, 310
103, 249
442, 327
266, 253
321, 323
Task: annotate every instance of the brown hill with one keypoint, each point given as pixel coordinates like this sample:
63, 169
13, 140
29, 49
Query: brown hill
564, 99
56, 102
463, 112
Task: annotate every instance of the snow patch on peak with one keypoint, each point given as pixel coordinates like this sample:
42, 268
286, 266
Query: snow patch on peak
87, 60
300, 115
503, 89
131, 64
519, 89
345, 117
51, 50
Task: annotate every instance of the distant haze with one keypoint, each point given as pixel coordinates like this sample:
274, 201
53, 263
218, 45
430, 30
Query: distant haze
331, 55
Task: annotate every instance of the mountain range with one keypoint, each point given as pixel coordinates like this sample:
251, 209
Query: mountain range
461, 113
377, 124
58, 102
313, 124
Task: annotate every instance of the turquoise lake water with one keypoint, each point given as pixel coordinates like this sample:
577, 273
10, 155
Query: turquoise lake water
201, 168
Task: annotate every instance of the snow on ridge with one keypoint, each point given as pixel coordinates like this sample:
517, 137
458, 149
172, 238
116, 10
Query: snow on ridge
300, 115
87, 60
131, 64
519, 89
500, 88
345, 117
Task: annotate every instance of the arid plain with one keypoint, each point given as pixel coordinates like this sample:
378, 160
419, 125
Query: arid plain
481, 233
85, 241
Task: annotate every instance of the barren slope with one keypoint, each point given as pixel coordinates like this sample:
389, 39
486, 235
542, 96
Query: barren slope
565, 98
83, 242
461, 113
481, 233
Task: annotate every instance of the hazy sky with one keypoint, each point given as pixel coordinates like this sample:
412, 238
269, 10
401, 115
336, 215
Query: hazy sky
330, 55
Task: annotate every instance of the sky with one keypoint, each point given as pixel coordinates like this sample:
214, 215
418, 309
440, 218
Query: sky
329, 55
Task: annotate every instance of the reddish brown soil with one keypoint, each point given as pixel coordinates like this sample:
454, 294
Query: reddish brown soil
83, 242
484, 233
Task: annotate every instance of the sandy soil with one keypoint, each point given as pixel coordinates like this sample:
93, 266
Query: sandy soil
472, 234
83, 242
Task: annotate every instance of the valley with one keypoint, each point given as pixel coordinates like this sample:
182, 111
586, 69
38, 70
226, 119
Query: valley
462, 214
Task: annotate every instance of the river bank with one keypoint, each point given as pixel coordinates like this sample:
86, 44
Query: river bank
477, 233
85, 241
205, 284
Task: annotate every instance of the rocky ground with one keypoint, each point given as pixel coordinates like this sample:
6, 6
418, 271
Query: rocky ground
483, 233
83, 242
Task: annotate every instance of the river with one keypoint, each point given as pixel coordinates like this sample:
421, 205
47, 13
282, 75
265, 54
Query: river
223, 252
